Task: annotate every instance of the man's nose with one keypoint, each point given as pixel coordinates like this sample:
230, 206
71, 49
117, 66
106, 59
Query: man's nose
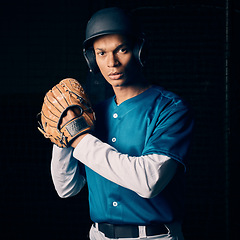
112, 60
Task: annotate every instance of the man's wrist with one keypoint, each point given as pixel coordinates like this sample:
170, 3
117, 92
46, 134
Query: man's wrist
77, 140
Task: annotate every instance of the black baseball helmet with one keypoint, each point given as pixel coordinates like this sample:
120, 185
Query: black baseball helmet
112, 21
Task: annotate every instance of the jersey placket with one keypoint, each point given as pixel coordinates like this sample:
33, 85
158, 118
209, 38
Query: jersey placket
115, 206
114, 128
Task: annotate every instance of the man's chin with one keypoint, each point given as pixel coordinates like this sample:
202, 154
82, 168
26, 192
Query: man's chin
117, 83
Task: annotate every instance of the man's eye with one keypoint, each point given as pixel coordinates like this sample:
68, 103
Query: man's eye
100, 53
123, 50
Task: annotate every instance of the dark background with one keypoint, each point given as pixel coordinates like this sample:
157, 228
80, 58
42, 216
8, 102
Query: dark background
194, 51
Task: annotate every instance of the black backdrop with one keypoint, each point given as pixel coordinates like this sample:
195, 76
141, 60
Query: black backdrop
193, 51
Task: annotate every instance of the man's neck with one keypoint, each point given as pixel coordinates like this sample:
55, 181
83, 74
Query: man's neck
124, 93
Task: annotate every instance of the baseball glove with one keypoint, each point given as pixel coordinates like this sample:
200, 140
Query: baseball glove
65, 95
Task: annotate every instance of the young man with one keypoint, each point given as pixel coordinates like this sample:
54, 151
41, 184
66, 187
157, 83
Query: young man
134, 163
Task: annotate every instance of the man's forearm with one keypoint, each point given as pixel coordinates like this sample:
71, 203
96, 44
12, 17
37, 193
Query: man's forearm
65, 172
145, 175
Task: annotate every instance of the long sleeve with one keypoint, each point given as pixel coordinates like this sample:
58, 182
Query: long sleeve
66, 172
145, 175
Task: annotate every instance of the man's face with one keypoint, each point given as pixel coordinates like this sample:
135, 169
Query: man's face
114, 58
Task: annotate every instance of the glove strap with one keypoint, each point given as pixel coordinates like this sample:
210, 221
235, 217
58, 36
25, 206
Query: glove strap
76, 126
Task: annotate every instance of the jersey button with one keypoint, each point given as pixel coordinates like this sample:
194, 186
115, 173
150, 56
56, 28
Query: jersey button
114, 139
115, 115
115, 204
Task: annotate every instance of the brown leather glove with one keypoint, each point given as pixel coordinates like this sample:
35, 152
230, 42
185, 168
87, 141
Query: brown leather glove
68, 94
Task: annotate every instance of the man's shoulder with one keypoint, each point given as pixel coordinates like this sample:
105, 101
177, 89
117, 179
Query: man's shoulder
162, 96
165, 93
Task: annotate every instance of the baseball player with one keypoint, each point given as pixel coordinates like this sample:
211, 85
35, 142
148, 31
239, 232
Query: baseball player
133, 153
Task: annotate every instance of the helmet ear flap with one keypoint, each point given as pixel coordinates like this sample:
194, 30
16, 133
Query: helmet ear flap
140, 51
91, 60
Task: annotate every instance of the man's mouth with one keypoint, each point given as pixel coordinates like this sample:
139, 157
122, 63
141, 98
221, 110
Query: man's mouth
115, 75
